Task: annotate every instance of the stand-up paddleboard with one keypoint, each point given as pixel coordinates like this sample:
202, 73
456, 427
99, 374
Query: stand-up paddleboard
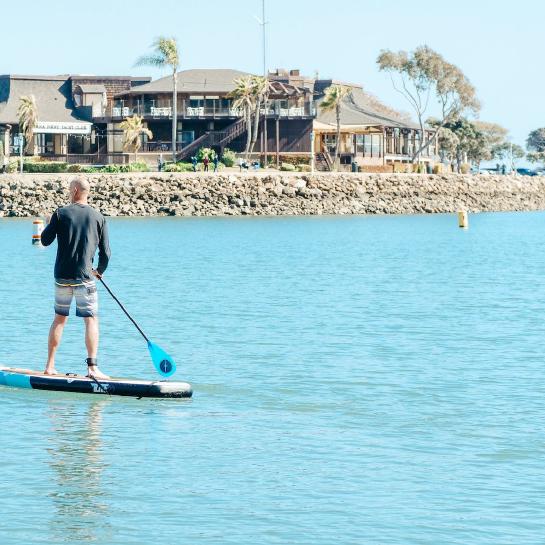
25, 378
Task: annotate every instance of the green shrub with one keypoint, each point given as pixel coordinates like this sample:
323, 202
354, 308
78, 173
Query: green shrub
13, 166
228, 158
139, 166
206, 152
75, 168
178, 167
304, 168
438, 168
110, 169
116, 169
293, 159
465, 168
44, 166
287, 167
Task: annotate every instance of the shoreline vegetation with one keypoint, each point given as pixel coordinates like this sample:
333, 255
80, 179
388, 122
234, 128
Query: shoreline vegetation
278, 194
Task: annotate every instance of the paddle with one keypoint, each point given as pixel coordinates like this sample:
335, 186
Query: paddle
161, 360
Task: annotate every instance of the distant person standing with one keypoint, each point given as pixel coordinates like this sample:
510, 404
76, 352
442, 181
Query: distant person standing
205, 162
160, 163
3, 163
216, 161
194, 163
79, 230
240, 163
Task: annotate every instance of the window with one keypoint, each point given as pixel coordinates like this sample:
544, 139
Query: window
45, 143
330, 141
359, 144
376, 145
187, 137
196, 102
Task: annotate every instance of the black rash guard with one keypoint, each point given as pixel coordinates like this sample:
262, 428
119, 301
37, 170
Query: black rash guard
80, 230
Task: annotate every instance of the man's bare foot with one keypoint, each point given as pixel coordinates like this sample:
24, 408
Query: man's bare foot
94, 371
50, 371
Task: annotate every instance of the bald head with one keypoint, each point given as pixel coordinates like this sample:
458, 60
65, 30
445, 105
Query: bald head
79, 190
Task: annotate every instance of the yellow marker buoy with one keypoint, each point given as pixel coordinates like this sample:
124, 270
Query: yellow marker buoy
38, 225
463, 220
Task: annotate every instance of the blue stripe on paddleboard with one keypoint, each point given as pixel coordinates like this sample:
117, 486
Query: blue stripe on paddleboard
15, 380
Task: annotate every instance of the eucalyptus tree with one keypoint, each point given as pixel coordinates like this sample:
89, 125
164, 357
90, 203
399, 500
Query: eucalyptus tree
536, 140
27, 112
244, 98
424, 75
461, 141
334, 96
535, 144
166, 55
133, 130
510, 152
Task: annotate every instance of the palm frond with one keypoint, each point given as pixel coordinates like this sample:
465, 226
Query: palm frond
165, 53
150, 60
27, 112
133, 129
334, 95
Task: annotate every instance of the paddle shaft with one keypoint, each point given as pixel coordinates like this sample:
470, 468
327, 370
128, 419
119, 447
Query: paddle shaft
123, 309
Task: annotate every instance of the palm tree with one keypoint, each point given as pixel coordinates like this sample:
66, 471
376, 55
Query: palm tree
334, 96
28, 119
133, 129
261, 87
245, 98
165, 54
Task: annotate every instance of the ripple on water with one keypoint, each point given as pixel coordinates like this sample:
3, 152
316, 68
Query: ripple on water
357, 380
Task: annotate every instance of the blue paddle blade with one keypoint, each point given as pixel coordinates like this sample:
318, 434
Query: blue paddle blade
163, 362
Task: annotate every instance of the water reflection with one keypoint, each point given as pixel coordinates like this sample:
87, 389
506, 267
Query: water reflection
77, 462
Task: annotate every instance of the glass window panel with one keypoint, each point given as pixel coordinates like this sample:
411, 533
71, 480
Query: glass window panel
375, 145
359, 143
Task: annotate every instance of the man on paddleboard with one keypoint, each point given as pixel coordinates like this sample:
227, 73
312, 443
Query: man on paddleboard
79, 230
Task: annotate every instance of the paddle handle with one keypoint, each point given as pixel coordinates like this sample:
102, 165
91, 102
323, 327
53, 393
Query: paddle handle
123, 309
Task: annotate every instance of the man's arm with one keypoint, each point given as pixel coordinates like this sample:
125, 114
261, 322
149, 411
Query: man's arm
50, 232
103, 250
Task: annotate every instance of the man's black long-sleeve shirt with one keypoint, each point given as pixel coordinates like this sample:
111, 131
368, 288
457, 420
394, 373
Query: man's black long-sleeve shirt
80, 230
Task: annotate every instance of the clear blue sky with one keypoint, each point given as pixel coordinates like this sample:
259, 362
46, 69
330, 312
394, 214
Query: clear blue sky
498, 44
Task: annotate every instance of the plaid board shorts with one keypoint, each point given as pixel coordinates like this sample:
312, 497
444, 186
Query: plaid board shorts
86, 297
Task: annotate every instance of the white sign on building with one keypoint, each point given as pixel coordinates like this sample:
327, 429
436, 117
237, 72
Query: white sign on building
59, 127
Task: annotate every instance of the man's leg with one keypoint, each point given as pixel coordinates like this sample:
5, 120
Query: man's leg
91, 342
55, 336
91, 336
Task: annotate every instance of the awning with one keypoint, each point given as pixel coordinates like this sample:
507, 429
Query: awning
320, 127
53, 127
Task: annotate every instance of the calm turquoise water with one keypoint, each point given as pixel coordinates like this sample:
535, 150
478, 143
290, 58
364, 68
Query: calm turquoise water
357, 380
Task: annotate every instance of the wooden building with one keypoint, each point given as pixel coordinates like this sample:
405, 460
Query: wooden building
80, 116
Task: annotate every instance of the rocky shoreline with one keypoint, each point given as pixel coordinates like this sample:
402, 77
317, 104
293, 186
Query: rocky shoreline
274, 194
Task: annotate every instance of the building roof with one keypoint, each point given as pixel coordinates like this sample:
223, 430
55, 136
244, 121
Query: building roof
92, 88
355, 112
52, 93
91, 77
197, 82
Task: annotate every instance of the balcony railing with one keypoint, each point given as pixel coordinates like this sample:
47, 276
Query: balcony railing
120, 111
160, 111
150, 110
202, 111
160, 146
